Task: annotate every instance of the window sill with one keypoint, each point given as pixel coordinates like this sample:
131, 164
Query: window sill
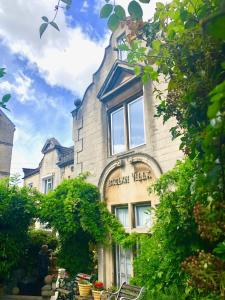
127, 152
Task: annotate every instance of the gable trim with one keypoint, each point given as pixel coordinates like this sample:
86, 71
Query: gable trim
103, 93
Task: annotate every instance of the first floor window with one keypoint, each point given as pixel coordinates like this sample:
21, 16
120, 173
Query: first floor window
127, 126
48, 185
122, 214
142, 215
136, 123
117, 131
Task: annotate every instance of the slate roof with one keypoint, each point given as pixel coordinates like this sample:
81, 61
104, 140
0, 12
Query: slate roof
29, 172
65, 155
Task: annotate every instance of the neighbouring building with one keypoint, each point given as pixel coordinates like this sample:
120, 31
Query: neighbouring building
57, 164
124, 147
7, 129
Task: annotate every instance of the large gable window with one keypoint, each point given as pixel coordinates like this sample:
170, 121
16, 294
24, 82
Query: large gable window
117, 131
136, 123
127, 126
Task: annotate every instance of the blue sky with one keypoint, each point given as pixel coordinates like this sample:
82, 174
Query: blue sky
46, 76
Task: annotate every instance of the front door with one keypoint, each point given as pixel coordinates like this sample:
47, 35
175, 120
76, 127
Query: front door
123, 265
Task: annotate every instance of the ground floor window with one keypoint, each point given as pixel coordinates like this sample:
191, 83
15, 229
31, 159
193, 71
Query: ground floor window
142, 215
123, 265
122, 214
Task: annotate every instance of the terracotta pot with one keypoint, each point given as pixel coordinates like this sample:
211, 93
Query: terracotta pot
96, 295
84, 289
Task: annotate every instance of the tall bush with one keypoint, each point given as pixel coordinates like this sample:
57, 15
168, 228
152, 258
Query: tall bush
17, 210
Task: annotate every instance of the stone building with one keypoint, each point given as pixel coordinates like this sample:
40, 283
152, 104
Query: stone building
124, 147
57, 164
7, 129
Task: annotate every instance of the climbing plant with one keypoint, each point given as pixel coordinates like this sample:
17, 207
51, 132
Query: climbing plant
75, 211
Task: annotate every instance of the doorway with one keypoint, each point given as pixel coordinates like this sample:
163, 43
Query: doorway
123, 265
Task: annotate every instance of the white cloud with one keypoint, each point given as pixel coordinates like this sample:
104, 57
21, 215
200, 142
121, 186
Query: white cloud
66, 59
22, 87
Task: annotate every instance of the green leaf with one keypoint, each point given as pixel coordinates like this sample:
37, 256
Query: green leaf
120, 12
214, 25
137, 70
106, 10
42, 28
68, 2
54, 25
2, 72
45, 19
113, 22
135, 10
144, 1
156, 45
6, 98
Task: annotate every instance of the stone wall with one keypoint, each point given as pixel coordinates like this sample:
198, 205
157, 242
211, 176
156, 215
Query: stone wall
7, 129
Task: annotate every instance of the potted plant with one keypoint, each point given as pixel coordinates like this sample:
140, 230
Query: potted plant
97, 290
84, 286
54, 280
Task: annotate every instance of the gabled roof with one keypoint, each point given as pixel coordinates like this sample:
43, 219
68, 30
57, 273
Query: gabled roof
50, 144
29, 172
65, 156
120, 75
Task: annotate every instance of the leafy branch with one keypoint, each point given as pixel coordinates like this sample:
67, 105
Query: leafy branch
6, 97
52, 22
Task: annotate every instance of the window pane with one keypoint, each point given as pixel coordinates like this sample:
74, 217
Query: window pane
122, 55
122, 215
117, 131
143, 217
136, 123
48, 184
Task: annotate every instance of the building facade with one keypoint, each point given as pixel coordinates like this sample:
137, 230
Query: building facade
124, 147
57, 164
7, 129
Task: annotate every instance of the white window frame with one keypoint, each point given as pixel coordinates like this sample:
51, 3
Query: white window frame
135, 215
128, 120
124, 126
44, 179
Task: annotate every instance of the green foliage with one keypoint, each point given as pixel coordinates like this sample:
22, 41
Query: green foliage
17, 209
135, 10
106, 10
215, 25
35, 239
42, 28
5, 98
174, 235
75, 211
116, 13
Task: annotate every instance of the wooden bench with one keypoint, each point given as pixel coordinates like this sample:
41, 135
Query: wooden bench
127, 292
67, 289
